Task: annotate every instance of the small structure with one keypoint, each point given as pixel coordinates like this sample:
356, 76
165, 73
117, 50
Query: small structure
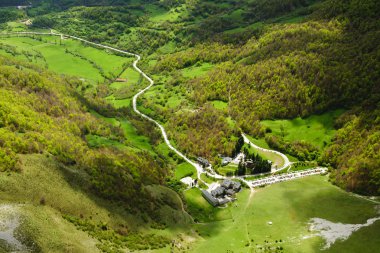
213, 201
230, 192
249, 164
226, 160
121, 80
203, 161
221, 194
218, 192
229, 184
27, 22
188, 181
237, 186
223, 201
23, 7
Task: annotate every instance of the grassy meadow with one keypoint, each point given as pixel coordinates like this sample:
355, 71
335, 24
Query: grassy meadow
276, 159
69, 57
198, 70
185, 170
316, 129
289, 206
133, 138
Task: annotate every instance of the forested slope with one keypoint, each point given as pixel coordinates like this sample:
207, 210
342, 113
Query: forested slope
330, 61
41, 113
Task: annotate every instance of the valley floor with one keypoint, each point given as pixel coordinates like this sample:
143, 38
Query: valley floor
279, 217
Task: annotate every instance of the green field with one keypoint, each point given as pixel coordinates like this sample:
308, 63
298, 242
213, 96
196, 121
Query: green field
197, 71
16, 27
273, 157
118, 103
207, 178
201, 210
69, 57
218, 104
316, 129
96, 141
259, 142
228, 168
158, 14
130, 74
289, 206
245, 29
185, 170
161, 98
133, 138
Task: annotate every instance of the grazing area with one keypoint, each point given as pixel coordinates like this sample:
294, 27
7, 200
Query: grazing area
201, 210
184, 170
277, 217
66, 57
317, 130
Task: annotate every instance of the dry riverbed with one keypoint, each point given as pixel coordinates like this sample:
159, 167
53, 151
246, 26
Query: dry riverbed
331, 232
9, 222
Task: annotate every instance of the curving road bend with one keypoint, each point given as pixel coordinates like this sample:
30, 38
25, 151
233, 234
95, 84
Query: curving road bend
284, 157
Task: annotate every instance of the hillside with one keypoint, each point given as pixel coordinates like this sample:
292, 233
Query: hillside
298, 77
293, 59
43, 129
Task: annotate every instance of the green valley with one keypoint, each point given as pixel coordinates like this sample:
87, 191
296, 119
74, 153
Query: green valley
189, 126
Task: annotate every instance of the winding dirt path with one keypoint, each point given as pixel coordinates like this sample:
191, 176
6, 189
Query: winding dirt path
284, 157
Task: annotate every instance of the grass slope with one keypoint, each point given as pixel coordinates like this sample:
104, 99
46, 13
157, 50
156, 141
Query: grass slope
289, 206
185, 170
60, 57
273, 157
197, 71
63, 194
316, 129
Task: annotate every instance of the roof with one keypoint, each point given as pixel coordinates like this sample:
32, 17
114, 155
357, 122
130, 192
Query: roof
237, 185
213, 201
202, 160
226, 159
227, 183
223, 201
217, 191
230, 192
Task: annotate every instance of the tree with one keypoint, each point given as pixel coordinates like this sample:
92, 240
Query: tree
241, 169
